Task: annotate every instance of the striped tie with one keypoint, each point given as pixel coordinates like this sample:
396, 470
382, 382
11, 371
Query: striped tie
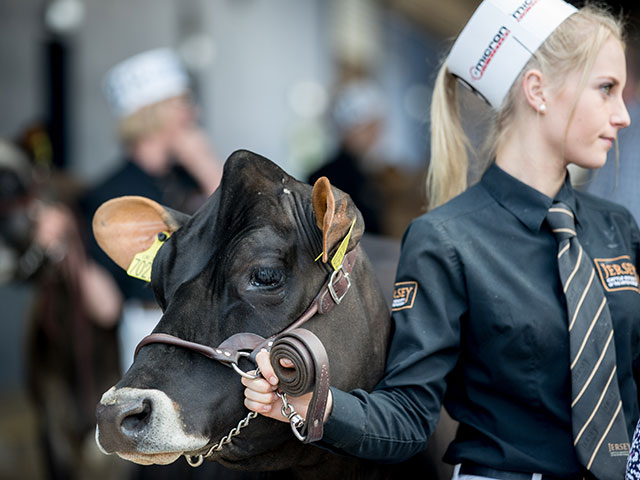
599, 428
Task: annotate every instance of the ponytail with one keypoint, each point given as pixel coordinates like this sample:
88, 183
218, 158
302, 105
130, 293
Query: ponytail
573, 46
447, 173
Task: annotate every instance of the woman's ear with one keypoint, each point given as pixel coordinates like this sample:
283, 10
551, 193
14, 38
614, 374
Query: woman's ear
533, 87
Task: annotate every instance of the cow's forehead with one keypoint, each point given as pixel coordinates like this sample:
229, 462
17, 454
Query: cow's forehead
256, 192
256, 202
253, 172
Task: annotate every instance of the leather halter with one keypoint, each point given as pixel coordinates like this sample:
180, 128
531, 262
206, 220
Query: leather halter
248, 344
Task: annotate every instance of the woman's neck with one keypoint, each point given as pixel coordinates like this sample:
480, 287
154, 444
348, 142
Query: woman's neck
526, 156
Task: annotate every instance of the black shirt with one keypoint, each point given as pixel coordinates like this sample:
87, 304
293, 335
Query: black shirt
175, 189
486, 331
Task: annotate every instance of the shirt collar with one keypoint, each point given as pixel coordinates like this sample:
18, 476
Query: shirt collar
526, 203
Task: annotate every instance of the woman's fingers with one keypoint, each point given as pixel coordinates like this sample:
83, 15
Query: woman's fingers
260, 394
259, 384
259, 402
260, 397
286, 363
264, 364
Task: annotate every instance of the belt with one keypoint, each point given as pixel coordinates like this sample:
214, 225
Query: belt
482, 471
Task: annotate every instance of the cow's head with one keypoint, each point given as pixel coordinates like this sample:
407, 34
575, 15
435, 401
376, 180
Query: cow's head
247, 261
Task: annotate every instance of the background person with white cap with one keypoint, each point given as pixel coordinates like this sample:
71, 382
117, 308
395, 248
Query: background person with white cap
487, 329
167, 158
358, 115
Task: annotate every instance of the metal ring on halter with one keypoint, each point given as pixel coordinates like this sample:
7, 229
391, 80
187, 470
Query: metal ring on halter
239, 371
194, 463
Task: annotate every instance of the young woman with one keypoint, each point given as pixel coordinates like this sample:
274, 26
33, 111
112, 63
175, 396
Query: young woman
488, 334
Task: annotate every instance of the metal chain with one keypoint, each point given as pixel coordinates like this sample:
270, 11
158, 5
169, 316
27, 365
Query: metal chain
295, 420
287, 410
196, 461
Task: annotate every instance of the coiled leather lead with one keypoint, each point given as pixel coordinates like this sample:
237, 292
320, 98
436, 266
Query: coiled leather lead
310, 373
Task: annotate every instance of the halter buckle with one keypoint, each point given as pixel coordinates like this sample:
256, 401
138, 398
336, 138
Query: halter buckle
333, 280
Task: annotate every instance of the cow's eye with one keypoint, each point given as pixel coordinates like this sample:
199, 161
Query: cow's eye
266, 277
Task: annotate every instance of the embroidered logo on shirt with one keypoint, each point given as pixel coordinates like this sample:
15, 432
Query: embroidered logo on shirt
404, 295
617, 273
619, 449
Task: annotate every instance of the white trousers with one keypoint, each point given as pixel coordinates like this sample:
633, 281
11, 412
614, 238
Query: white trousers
137, 322
457, 476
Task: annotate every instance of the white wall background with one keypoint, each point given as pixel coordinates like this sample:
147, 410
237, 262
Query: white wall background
264, 50
259, 50
20, 73
260, 56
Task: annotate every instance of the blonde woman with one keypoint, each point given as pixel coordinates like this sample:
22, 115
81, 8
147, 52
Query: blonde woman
492, 332
166, 157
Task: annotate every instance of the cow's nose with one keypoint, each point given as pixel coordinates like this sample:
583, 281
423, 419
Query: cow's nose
121, 424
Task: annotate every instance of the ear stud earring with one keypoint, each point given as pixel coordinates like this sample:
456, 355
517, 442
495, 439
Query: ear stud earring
542, 108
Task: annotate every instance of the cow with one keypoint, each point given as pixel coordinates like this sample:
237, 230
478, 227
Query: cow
251, 259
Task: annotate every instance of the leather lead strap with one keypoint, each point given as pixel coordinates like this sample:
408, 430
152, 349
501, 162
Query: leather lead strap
228, 351
310, 374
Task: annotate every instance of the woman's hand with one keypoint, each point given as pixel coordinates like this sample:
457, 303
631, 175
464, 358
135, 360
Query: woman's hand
193, 151
260, 394
52, 226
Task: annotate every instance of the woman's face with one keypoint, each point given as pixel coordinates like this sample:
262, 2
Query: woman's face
599, 112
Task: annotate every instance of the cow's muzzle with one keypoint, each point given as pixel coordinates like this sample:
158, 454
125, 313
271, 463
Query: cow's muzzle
123, 423
135, 421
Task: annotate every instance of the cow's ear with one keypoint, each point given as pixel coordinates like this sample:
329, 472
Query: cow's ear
125, 226
335, 212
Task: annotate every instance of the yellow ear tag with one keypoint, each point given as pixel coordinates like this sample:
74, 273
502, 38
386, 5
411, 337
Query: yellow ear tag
141, 264
337, 259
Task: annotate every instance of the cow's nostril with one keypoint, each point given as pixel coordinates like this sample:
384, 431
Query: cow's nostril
123, 422
136, 419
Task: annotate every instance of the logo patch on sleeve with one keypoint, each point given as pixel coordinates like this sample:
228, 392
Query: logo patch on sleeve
404, 294
617, 273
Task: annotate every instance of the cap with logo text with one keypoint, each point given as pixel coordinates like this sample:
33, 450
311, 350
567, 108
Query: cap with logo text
499, 40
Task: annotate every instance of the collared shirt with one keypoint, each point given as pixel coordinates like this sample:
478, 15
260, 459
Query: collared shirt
481, 327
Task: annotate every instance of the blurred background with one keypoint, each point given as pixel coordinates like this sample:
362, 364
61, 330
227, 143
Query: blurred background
265, 75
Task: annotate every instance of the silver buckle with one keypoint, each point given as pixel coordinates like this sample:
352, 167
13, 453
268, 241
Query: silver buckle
332, 280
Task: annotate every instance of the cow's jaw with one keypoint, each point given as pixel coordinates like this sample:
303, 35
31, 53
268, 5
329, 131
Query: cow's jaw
158, 459
160, 440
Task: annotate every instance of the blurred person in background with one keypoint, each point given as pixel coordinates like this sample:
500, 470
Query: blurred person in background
358, 116
388, 195
167, 158
71, 345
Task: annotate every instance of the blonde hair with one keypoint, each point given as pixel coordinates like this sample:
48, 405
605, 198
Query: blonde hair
572, 47
145, 121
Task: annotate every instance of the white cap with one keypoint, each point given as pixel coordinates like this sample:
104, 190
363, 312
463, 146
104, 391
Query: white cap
357, 103
144, 79
499, 40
